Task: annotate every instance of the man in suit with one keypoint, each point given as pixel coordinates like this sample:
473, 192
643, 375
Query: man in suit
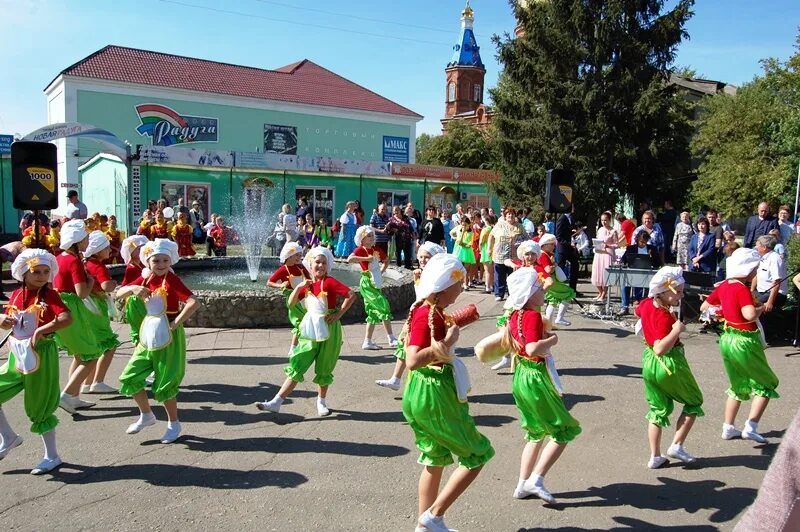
759, 224
566, 252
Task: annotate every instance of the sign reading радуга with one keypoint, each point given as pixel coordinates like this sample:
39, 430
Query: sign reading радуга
166, 127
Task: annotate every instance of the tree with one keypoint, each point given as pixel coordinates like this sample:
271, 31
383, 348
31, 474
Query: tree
750, 142
585, 88
464, 146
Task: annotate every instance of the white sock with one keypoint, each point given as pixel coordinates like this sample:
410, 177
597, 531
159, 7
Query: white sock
751, 426
537, 480
277, 400
6, 432
521, 484
548, 312
562, 307
50, 451
725, 426
146, 416
394, 380
173, 424
321, 401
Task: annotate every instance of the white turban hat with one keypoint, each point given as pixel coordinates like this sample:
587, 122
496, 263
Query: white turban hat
98, 241
668, 278
313, 253
741, 263
72, 232
289, 249
29, 259
443, 271
522, 284
131, 243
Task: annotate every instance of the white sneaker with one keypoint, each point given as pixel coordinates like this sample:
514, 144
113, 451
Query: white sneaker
389, 383
522, 493
11, 445
142, 422
656, 462
392, 341
101, 387
80, 404
540, 491
85, 388
427, 521
562, 323
46, 465
67, 403
322, 409
498, 298
269, 406
730, 432
752, 435
679, 453
505, 362
369, 345
172, 433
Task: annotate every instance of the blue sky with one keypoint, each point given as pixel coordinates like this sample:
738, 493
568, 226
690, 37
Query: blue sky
395, 48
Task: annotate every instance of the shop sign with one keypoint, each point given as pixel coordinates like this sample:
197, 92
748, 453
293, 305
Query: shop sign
280, 139
70, 185
5, 144
395, 149
192, 156
166, 127
468, 175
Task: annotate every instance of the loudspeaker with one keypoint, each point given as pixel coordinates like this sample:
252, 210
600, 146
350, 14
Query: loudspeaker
34, 182
558, 190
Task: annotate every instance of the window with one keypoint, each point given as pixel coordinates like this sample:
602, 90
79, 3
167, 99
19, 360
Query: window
477, 93
320, 201
393, 198
189, 192
451, 92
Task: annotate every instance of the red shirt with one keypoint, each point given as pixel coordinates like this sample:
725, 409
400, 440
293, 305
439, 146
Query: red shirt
532, 329
361, 251
70, 273
656, 321
281, 275
176, 290
733, 296
419, 332
99, 271
53, 304
627, 227
132, 272
220, 236
543, 262
331, 286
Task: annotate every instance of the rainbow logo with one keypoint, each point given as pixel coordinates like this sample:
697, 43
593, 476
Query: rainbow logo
166, 127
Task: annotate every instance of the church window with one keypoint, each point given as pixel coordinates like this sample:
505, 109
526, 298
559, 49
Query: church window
451, 92
477, 93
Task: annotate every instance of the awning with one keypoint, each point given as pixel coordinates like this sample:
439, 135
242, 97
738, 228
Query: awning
443, 190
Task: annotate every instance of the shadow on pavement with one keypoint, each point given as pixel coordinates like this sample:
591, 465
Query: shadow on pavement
672, 495
291, 446
629, 524
619, 370
570, 399
224, 360
169, 475
371, 360
616, 331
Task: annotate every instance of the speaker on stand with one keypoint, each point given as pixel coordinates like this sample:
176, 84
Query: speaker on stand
558, 190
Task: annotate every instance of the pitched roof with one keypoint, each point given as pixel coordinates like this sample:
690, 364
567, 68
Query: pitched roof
303, 82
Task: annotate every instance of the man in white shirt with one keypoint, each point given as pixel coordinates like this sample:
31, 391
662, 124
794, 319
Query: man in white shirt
456, 218
76, 210
770, 283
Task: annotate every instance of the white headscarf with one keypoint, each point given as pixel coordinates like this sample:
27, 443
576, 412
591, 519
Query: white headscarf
547, 238
313, 253
741, 263
529, 246
290, 249
442, 271
98, 241
160, 246
522, 284
362, 232
131, 243
431, 248
668, 278
72, 232
29, 259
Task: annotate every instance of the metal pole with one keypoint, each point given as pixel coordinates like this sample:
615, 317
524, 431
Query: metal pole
131, 228
797, 193
2, 195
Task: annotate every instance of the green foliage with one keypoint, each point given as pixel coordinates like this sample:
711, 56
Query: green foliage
464, 146
585, 89
750, 143
793, 255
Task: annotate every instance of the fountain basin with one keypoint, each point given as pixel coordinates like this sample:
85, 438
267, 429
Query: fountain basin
228, 298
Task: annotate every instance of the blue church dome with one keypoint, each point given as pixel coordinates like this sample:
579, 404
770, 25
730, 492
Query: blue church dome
466, 52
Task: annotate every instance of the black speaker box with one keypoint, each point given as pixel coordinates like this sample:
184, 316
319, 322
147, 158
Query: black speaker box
558, 190
34, 180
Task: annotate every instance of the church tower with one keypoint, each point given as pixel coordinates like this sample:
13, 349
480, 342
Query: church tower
465, 72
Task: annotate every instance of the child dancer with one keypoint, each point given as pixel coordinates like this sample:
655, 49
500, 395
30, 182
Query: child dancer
54, 237
742, 352
486, 257
665, 371
144, 225
134, 310
77, 339
162, 340
115, 238
34, 313
433, 402
559, 293
182, 235
289, 276
462, 249
424, 253
541, 408
162, 228
373, 262
323, 233
96, 253
320, 330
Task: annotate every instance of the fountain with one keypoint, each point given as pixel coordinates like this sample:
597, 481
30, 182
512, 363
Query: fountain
254, 226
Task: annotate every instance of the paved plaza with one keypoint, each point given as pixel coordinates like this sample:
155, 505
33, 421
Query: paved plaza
236, 468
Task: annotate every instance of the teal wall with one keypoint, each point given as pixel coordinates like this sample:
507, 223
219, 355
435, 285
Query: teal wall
241, 128
104, 189
9, 216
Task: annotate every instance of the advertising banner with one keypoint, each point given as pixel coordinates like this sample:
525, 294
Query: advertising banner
280, 139
467, 175
395, 149
5, 144
166, 127
193, 156
268, 161
52, 132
